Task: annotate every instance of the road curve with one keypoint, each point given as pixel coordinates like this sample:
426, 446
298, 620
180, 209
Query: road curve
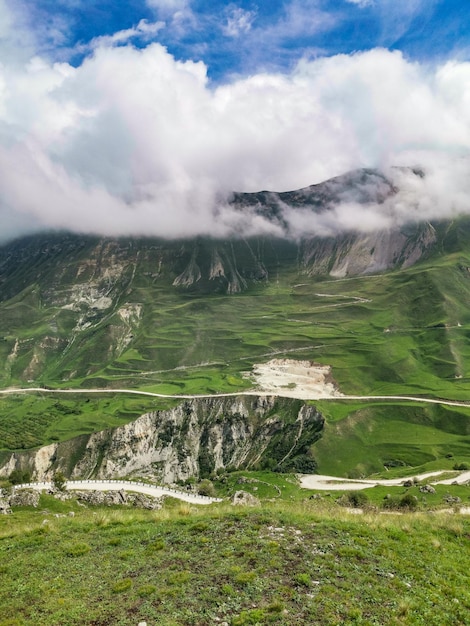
125, 485
333, 483
279, 392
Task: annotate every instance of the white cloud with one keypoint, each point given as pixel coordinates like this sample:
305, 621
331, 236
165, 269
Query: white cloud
300, 18
238, 22
133, 141
144, 30
397, 17
169, 6
177, 14
362, 4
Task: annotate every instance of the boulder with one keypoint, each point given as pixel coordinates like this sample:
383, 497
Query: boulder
24, 497
243, 498
112, 498
5, 508
451, 499
141, 501
427, 489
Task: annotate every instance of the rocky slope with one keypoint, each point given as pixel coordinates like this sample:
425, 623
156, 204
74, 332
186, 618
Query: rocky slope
195, 438
72, 305
87, 271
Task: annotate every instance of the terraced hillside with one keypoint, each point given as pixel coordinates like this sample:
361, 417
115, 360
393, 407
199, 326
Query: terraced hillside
152, 314
194, 317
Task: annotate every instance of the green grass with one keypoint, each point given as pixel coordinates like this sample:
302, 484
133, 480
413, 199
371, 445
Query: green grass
306, 562
403, 332
28, 421
361, 440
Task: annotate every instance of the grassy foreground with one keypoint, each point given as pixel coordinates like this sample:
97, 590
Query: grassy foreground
302, 562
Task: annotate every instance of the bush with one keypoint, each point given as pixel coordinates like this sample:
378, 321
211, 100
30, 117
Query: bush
146, 590
253, 616
355, 499
461, 466
59, 481
77, 549
303, 579
407, 501
17, 477
206, 488
122, 585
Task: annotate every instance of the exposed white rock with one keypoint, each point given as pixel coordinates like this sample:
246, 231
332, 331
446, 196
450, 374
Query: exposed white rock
195, 436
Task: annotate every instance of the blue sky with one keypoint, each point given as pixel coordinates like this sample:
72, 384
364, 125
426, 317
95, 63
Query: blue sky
143, 116
246, 37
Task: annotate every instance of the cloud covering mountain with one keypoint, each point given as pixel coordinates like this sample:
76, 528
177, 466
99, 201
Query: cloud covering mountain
134, 141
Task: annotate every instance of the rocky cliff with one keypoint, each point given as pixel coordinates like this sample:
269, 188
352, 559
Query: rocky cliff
195, 438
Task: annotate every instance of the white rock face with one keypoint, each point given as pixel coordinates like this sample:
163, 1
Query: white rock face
369, 253
197, 436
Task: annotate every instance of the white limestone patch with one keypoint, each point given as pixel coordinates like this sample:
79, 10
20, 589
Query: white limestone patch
295, 379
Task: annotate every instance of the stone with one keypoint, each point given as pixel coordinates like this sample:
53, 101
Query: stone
24, 497
112, 498
141, 501
61, 495
451, 499
243, 498
5, 508
427, 489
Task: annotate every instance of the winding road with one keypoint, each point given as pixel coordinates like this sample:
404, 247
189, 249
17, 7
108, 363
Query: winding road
290, 393
333, 483
313, 481
125, 485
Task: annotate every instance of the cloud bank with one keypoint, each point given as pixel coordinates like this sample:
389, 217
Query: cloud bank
133, 141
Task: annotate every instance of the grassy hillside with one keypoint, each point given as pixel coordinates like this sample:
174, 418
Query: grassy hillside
303, 562
76, 312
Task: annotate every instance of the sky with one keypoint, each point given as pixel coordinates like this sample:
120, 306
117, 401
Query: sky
141, 117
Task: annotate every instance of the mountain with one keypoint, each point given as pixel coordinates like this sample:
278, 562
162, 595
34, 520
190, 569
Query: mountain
389, 311
229, 266
72, 305
196, 438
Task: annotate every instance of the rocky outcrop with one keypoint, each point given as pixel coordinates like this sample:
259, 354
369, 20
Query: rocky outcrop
366, 253
5, 508
113, 498
244, 498
195, 438
24, 497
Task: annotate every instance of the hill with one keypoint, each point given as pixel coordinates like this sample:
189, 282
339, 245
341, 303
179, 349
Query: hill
387, 311
192, 317
286, 562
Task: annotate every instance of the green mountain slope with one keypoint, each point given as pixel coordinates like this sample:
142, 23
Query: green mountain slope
83, 311
194, 316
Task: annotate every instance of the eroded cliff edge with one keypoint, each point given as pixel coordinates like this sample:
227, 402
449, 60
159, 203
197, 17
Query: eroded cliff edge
195, 438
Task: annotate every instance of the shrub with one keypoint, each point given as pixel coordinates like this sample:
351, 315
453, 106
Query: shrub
244, 578
355, 499
122, 585
77, 549
176, 578
59, 481
146, 590
303, 579
17, 477
254, 616
461, 466
155, 546
407, 501
206, 488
